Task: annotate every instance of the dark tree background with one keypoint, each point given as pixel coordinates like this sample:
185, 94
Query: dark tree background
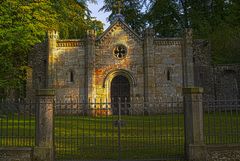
24, 24
217, 21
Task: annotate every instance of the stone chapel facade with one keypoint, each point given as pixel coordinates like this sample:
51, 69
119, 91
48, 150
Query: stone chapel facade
118, 63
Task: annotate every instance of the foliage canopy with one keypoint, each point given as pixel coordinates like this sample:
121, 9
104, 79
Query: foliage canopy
217, 21
24, 24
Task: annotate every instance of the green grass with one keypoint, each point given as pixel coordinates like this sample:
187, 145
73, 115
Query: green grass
17, 130
222, 128
142, 137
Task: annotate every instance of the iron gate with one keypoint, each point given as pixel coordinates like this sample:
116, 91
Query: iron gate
139, 131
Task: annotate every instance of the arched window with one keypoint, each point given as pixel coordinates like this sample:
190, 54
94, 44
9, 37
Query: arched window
70, 76
168, 75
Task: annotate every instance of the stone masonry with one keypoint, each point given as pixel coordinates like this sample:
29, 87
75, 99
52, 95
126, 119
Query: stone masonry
218, 81
154, 67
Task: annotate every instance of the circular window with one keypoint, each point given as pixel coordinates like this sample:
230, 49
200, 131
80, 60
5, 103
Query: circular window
120, 51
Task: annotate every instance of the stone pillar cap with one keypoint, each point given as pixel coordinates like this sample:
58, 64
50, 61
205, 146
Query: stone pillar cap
45, 92
192, 90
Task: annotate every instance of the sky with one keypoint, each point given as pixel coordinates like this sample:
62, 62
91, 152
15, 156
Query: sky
102, 16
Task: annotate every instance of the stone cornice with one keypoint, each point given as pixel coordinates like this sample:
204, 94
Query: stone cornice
168, 41
70, 43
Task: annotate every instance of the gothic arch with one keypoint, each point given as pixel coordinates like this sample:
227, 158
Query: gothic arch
109, 77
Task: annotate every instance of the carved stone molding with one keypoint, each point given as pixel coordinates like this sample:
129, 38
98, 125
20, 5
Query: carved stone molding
70, 43
167, 42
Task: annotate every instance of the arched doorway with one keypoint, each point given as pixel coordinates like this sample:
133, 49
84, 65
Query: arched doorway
120, 89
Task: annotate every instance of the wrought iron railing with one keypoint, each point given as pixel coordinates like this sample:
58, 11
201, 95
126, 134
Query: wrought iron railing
126, 129
119, 130
17, 123
222, 121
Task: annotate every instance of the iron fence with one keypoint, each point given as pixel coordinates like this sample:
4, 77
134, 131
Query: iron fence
17, 123
222, 121
119, 130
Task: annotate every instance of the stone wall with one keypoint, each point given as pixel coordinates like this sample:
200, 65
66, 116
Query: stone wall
201, 53
227, 81
218, 81
168, 68
154, 66
37, 72
223, 152
16, 154
203, 71
213, 153
107, 65
69, 56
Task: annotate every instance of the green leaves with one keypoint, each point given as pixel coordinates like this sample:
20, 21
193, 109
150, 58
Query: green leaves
215, 20
132, 11
74, 18
163, 15
25, 23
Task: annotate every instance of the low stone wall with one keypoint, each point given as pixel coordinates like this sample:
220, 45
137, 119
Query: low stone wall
214, 153
16, 154
223, 152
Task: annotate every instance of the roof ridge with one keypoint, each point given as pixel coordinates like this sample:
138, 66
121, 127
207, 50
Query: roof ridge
111, 27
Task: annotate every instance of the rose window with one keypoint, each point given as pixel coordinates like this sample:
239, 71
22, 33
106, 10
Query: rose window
120, 51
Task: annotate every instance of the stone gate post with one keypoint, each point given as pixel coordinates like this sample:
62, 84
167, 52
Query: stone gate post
44, 126
193, 121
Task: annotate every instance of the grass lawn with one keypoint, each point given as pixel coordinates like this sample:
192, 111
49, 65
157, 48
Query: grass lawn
141, 137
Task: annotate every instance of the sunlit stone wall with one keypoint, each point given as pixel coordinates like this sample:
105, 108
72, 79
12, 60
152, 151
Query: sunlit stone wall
69, 56
107, 64
168, 68
84, 68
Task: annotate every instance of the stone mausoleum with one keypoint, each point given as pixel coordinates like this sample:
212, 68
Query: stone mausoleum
118, 63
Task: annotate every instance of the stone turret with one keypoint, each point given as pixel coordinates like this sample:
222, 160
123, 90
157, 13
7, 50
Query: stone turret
52, 44
90, 64
188, 70
149, 72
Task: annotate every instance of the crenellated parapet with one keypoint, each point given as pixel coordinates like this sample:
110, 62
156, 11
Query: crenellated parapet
53, 34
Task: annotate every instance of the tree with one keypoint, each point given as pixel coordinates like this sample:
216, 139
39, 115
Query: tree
131, 10
225, 35
24, 24
73, 18
215, 20
164, 17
